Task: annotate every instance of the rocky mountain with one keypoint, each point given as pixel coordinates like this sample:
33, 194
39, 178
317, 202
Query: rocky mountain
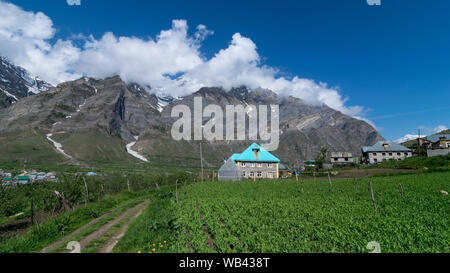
94, 119
17, 83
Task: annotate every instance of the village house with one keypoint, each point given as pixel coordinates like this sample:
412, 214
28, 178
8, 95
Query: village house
383, 151
439, 141
254, 163
342, 159
439, 145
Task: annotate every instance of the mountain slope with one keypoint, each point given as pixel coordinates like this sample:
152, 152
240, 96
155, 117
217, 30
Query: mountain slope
96, 119
17, 83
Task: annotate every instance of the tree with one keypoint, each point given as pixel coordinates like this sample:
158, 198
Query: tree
321, 157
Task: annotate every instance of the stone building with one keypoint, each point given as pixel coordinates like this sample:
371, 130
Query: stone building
383, 151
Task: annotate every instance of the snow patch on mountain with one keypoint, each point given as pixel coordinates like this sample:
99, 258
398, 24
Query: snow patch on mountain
58, 146
9, 94
133, 153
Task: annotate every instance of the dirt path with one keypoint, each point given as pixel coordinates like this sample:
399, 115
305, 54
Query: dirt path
112, 242
131, 213
56, 244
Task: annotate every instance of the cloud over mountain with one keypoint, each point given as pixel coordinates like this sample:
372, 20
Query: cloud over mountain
171, 62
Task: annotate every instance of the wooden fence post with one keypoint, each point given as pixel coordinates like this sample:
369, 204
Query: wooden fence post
87, 191
31, 211
314, 173
329, 180
128, 184
372, 196
401, 189
356, 183
176, 189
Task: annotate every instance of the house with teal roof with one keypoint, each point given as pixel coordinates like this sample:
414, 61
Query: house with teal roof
255, 163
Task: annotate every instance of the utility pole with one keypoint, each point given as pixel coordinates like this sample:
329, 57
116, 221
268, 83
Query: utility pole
418, 144
201, 158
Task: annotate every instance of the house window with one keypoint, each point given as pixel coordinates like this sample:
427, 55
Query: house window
252, 174
243, 174
374, 154
346, 159
259, 174
270, 175
269, 165
384, 154
243, 164
390, 154
335, 159
406, 154
399, 154
252, 165
259, 165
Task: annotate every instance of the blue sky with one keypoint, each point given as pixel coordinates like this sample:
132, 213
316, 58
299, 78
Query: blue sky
393, 59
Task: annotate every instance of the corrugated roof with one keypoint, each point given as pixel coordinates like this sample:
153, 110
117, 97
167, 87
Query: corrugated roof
255, 153
385, 146
436, 138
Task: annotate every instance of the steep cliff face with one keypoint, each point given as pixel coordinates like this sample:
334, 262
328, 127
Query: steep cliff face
114, 108
304, 128
17, 83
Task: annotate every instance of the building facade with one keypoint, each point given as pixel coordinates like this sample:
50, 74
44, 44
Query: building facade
383, 151
254, 163
342, 158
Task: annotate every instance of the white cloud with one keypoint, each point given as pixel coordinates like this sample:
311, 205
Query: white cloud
440, 128
170, 62
424, 132
407, 137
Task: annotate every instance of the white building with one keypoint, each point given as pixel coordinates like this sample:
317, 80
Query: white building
385, 150
341, 158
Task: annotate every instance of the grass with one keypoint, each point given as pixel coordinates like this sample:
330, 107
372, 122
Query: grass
42, 235
263, 217
437, 162
89, 230
155, 225
32, 147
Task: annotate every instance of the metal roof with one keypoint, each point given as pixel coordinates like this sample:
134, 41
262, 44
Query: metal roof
436, 138
255, 153
385, 146
234, 157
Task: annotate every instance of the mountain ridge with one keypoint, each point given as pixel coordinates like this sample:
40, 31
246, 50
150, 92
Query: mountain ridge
110, 107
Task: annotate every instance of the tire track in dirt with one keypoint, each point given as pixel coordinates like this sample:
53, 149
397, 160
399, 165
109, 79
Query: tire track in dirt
116, 237
104, 229
57, 243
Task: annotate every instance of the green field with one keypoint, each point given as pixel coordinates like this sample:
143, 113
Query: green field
267, 217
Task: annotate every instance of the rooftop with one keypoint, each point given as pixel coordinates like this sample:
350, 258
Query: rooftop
385, 146
436, 138
255, 153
